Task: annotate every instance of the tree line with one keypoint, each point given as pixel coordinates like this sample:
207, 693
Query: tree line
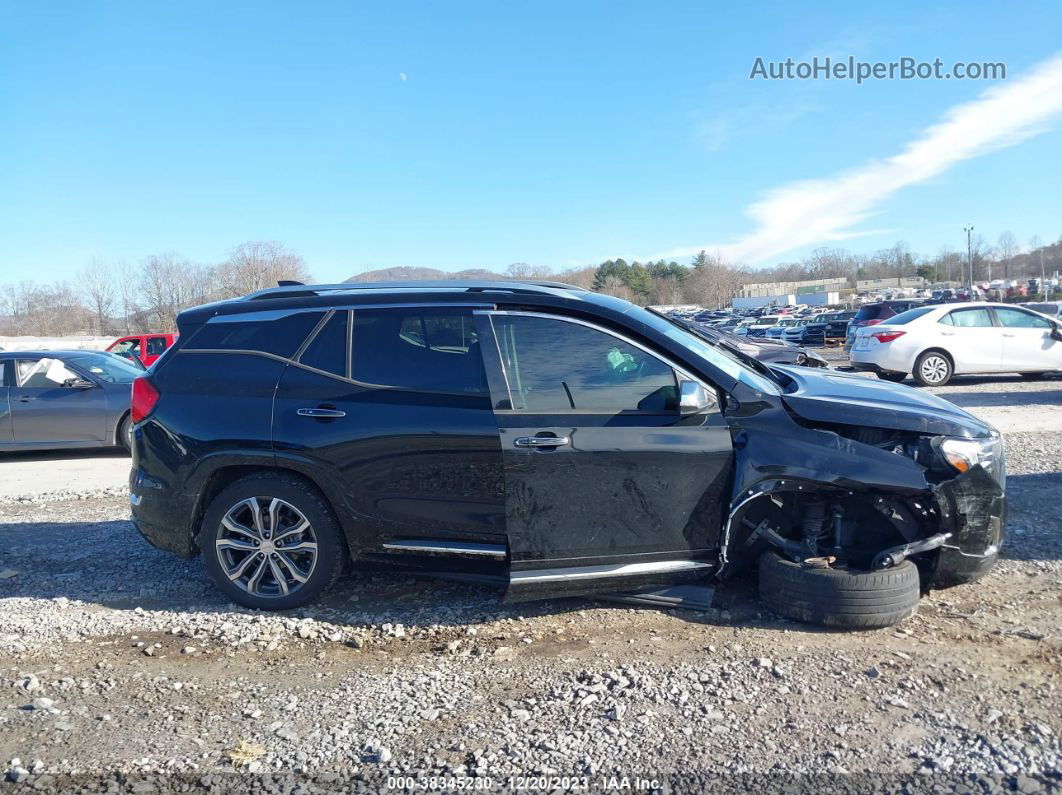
119, 298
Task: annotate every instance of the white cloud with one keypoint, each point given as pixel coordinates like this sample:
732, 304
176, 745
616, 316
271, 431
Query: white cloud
823, 210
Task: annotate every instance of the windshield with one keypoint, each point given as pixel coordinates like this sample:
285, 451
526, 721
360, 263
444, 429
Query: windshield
719, 353
105, 367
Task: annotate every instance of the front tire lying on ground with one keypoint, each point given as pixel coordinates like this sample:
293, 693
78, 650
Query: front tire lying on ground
270, 541
837, 597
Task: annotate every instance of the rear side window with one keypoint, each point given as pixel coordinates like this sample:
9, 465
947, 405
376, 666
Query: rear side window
553, 366
430, 350
328, 350
156, 345
968, 318
1016, 318
909, 315
870, 312
278, 334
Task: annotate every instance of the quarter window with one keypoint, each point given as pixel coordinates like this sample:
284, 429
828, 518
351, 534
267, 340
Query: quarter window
278, 334
418, 349
1016, 318
554, 366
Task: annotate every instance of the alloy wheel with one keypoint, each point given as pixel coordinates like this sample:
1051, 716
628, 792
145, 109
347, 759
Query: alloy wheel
266, 547
934, 369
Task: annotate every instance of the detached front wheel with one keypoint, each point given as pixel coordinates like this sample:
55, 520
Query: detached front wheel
270, 541
837, 597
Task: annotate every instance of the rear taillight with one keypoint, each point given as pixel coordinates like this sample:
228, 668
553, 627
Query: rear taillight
875, 322
887, 336
145, 396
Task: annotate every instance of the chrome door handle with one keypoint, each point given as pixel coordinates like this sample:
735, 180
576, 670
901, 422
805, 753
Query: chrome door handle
541, 441
321, 413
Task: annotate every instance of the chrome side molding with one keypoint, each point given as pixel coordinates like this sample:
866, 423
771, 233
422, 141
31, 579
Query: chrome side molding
536, 576
466, 549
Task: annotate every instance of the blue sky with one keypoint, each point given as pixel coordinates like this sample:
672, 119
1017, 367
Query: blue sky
550, 133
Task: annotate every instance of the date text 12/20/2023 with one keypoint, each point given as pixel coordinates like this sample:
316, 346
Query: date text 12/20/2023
524, 783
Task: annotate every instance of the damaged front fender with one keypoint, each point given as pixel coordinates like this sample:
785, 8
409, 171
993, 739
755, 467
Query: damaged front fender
972, 508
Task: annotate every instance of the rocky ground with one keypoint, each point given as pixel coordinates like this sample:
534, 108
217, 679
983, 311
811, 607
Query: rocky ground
121, 670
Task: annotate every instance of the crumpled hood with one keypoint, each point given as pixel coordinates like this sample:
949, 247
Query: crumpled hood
835, 397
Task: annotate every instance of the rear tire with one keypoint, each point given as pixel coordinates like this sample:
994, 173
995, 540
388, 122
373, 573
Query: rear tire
896, 378
125, 434
239, 553
842, 598
933, 368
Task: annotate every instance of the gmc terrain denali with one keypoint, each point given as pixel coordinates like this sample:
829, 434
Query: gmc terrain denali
551, 439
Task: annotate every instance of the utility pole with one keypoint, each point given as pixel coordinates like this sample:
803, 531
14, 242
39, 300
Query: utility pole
969, 258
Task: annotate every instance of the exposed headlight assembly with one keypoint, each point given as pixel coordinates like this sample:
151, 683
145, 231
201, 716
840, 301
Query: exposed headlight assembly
964, 454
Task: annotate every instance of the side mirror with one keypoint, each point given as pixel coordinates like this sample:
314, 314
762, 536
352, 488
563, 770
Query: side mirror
78, 383
694, 398
1056, 334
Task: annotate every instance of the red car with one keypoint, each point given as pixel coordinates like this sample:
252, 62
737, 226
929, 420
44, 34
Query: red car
145, 347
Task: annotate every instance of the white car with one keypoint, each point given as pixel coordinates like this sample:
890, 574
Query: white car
933, 343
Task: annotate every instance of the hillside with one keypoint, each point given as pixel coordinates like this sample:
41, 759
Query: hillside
407, 273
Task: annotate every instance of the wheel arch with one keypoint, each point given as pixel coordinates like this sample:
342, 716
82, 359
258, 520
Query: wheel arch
936, 349
116, 436
225, 475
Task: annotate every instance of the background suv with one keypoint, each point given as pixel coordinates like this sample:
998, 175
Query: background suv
550, 439
872, 314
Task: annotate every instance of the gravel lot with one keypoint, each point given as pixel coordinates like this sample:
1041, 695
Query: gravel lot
122, 670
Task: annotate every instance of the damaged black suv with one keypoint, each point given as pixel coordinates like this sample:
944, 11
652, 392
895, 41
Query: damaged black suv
551, 439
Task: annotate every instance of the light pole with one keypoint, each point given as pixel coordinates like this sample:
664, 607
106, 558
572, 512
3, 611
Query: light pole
969, 259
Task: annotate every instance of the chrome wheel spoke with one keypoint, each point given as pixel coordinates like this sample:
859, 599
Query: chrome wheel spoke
298, 529
236, 572
236, 544
302, 546
233, 526
278, 575
256, 578
296, 573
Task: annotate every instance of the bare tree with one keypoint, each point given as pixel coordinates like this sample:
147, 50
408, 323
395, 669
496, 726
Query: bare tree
256, 265
525, 272
97, 285
1008, 248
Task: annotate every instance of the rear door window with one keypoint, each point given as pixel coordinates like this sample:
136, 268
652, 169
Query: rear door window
155, 346
555, 366
968, 318
431, 350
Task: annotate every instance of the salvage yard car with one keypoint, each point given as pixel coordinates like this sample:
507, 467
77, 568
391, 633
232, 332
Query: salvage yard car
64, 399
934, 343
554, 440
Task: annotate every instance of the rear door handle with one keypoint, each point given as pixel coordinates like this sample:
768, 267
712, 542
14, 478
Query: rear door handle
541, 441
1007, 335
321, 413
26, 398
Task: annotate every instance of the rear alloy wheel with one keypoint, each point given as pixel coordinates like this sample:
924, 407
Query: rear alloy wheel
896, 378
838, 597
271, 542
933, 368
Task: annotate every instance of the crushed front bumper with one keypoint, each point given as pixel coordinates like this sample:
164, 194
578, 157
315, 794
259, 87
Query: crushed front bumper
972, 508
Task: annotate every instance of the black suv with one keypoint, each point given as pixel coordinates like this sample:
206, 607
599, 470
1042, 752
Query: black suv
872, 314
550, 439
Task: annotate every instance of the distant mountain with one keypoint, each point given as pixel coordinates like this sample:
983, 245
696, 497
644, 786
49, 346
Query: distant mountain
407, 273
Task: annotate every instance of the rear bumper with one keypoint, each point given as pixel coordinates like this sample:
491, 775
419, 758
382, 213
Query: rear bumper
159, 514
